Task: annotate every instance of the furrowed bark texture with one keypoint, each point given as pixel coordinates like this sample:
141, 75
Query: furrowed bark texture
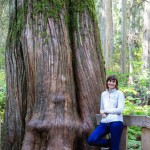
55, 75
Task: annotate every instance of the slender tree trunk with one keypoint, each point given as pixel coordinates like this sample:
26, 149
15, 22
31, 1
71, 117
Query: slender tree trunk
146, 43
131, 39
55, 74
146, 36
130, 81
109, 32
101, 18
124, 38
106, 30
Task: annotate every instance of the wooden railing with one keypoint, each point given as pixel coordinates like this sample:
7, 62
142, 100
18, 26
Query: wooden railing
139, 121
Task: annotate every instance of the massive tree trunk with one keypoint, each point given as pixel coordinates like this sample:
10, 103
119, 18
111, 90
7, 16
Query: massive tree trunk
55, 75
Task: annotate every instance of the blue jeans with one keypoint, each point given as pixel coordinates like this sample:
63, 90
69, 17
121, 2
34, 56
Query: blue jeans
115, 130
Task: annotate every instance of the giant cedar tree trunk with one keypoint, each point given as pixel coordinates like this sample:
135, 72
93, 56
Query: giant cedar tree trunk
55, 75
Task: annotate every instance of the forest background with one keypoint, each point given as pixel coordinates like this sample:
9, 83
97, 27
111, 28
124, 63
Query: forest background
125, 37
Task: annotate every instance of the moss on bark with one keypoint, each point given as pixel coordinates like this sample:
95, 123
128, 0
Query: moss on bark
48, 8
77, 7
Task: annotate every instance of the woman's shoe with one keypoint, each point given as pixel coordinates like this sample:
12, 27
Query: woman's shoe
105, 148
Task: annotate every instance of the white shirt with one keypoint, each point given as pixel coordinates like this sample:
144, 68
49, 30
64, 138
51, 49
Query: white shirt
112, 103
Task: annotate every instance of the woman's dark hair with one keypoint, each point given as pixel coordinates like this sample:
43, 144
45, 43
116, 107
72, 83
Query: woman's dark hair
112, 77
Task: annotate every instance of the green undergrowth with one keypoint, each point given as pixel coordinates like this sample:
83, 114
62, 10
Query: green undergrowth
2, 93
134, 133
133, 107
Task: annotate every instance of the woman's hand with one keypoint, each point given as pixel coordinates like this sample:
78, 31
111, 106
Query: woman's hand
104, 115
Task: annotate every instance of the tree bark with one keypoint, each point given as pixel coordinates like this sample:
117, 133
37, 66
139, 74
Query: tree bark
124, 37
146, 36
131, 40
55, 74
106, 29
108, 33
146, 44
101, 18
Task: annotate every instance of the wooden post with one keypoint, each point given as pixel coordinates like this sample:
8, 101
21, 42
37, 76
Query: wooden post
145, 139
124, 139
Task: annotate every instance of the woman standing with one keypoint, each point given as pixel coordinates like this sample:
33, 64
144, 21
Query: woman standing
111, 108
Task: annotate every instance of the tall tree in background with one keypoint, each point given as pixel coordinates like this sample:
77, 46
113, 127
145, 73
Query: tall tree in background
135, 28
3, 30
124, 37
131, 38
100, 7
55, 75
146, 36
104, 10
108, 33
146, 47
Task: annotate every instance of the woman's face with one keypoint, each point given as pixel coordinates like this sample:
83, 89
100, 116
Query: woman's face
111, 84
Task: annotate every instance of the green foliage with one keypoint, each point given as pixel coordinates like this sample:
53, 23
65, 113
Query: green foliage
2, 58
134, 133
133, 106
137, 57
2, 93
133, 109
134, 138
132, 145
